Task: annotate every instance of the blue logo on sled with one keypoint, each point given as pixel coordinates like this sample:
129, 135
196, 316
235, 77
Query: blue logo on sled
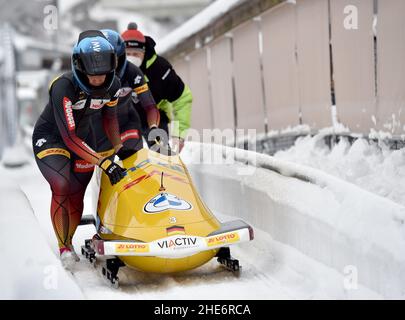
166, 201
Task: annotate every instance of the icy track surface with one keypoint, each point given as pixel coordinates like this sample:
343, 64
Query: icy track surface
270, 269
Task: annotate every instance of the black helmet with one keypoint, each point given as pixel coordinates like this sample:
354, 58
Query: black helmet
93, 55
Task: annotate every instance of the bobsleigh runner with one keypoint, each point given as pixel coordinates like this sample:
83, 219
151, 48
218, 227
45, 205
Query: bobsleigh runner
153, 220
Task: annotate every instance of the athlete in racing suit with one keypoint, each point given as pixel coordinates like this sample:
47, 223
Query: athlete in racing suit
63, 141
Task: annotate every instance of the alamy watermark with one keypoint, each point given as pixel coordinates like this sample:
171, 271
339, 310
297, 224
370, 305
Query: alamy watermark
51, 277
351, 277
50, 22
351, 20
214, 147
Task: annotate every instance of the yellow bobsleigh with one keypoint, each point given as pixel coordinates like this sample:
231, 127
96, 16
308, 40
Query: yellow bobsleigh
153, 220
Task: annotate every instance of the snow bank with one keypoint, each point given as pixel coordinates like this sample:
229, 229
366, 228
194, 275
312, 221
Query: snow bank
371, 166
328, 219
28, 267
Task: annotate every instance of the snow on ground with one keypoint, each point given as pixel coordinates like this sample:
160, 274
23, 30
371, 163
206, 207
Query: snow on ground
371, 166
29, 269
271, 270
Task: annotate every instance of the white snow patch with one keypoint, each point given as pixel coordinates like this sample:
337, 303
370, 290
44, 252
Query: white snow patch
65, 5
328, 219
196, 23
371, 166
29, 269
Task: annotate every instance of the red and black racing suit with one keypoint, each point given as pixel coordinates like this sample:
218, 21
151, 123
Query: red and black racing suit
134, 90
63, 142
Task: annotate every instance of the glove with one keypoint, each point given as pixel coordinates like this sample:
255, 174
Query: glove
177, 144
125, 152
114, 172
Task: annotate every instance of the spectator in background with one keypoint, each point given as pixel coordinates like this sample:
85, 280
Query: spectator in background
173, 97
134, 91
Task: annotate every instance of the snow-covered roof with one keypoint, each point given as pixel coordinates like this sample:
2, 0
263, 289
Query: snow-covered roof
196, 23
26, 93
148, 26
23, 42
34, 79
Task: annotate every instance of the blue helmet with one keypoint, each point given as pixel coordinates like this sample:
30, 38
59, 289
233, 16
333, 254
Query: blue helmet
93, 55
119, 46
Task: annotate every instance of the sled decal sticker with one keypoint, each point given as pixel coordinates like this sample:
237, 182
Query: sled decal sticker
178, 243
174, 246
166, 201
175, 230
146, 162
222, 239
147, 176
131, 247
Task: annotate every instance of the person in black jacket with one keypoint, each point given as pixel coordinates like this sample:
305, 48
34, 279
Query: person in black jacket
173, 97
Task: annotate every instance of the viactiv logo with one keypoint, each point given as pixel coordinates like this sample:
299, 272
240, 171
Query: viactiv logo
166, 201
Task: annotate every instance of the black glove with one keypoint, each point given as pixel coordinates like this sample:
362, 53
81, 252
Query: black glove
125, 152
114, 172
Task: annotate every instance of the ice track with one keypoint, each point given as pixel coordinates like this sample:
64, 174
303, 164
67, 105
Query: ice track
273, 266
